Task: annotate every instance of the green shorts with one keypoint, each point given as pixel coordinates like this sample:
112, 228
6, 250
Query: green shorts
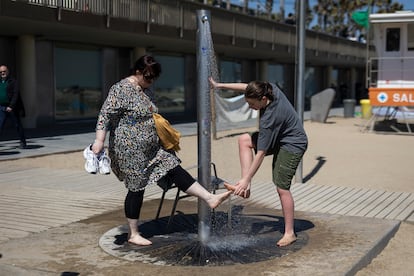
284, 167
284, 164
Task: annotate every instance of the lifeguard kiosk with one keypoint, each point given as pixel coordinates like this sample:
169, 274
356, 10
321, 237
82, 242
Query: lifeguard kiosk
391, 72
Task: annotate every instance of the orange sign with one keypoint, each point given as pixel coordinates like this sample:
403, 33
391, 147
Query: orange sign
391, 96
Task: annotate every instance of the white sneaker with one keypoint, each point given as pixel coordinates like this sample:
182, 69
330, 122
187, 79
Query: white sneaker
92, 162
104, 163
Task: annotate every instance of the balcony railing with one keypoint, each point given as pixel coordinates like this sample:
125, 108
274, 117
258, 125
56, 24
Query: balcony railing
181, 14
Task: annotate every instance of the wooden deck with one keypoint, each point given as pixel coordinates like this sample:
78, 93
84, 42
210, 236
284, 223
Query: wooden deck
36, 199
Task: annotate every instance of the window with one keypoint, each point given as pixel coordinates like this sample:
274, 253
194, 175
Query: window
410, 37
230, 71
312, 87
275, 74
393, 40
169, 87
78, 82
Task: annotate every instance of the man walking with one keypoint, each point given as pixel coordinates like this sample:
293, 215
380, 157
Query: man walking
11, 105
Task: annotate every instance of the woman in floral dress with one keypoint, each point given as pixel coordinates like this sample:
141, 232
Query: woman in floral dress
137, 157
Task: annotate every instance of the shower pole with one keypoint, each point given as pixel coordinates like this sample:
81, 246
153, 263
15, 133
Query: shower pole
204, 119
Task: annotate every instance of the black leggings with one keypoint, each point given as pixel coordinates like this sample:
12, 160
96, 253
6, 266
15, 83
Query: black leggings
133, 200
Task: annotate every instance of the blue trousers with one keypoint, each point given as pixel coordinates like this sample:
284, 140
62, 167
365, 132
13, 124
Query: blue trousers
4, 115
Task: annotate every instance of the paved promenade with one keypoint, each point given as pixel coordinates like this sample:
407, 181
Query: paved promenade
31, 198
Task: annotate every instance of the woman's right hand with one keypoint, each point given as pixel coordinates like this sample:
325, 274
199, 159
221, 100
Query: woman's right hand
213, 83
240, 86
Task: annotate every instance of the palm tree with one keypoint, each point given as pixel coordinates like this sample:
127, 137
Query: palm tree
282, 9
323, 11
228, 4
334, 16
269, 8
246, 6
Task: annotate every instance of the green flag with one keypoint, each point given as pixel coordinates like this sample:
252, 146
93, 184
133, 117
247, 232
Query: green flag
361, 18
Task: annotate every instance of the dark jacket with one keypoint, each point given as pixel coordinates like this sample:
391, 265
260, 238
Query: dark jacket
13, 94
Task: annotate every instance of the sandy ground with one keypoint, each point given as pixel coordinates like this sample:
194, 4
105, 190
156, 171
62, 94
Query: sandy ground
339, 154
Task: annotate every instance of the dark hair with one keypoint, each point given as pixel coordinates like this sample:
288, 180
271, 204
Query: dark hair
148, 64
258, 90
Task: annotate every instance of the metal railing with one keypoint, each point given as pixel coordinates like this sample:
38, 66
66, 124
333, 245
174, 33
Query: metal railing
93, 6
181, 14
153, 11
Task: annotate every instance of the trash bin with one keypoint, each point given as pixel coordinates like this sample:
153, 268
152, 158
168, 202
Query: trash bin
349, 108
366, 110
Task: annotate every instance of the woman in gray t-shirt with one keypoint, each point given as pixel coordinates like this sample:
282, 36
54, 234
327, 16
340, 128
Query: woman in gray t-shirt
280, 134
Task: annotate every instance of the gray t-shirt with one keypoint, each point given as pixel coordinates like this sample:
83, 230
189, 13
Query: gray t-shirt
279, 126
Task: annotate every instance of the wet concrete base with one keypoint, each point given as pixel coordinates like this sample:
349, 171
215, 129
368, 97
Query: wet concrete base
328, 245
232, 239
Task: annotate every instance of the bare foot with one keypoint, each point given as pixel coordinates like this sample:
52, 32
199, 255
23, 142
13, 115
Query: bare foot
286, 240
139, 240
215, 200
229, 187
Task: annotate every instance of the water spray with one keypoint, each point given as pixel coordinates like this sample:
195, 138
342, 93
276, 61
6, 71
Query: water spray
235, 238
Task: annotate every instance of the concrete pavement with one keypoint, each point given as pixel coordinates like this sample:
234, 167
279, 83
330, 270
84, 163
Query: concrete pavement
32, 206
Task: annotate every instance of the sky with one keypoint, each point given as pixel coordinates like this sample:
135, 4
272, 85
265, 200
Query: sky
408, 4
289, 4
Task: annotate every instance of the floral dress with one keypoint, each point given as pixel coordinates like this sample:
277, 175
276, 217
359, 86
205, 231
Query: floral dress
137, 157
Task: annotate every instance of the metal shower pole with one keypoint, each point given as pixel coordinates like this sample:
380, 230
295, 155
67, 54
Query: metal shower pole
204, 119
300, 77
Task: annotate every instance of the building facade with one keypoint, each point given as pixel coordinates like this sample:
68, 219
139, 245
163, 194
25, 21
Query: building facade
66, 54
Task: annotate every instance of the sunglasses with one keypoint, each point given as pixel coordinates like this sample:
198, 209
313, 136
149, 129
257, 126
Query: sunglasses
149, 77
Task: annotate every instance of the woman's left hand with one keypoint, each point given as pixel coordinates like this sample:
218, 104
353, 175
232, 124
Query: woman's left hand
243, 188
